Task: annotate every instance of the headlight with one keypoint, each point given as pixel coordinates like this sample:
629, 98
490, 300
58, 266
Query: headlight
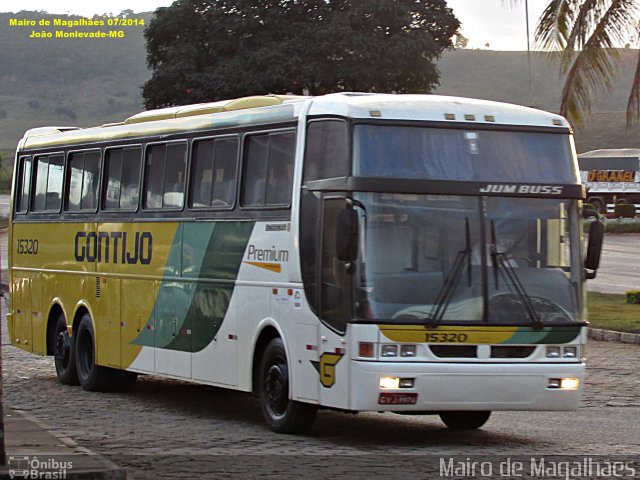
408, 350
389, 351
553, 352
556, 351
564, 383
389, 383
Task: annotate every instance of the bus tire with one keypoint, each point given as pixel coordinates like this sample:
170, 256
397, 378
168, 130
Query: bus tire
464, 420
92, 377
282, 414
64, 353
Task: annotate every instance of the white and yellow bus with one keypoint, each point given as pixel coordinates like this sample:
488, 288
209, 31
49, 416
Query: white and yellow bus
360, 252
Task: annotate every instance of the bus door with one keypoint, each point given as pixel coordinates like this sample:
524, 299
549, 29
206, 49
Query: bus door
335, 309
105, 290
21, 301
172, 338
29, 316
108, 321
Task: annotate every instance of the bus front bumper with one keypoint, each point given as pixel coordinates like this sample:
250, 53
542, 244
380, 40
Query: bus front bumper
465, 386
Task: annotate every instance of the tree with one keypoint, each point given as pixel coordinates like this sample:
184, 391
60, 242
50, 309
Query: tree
587, 33
205, 50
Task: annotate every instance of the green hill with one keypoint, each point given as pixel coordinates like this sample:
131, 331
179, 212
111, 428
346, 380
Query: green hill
66, 81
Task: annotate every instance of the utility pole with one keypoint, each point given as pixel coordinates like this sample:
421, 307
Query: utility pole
526, 14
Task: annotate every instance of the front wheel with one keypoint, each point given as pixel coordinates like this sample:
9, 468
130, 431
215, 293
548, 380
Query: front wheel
464, 420
282, 414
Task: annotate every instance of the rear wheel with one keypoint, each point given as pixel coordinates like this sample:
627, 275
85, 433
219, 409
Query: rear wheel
94, 377
64, 353
464, 420
282, 414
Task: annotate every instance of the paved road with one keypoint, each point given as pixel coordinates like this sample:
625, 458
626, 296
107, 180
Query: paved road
4, 205
620, 265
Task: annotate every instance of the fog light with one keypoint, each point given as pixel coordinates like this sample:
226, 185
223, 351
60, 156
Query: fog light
553, 352
366, 349
570, 352
569, 383
408, 351
564, 383
389, 351
389, 382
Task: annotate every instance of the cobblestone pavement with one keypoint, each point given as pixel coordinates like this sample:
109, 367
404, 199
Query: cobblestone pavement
171, 429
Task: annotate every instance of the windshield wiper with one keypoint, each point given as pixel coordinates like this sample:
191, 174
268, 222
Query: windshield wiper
451, 281
500, 262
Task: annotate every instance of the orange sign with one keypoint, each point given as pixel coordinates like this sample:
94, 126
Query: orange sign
611, 176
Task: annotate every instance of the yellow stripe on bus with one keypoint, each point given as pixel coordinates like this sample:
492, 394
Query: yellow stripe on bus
448, 334
272, 267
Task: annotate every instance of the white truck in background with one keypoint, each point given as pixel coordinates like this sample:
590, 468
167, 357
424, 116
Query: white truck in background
611, 176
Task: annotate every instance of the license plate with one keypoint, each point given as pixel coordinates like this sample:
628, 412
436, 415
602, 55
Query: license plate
398, 398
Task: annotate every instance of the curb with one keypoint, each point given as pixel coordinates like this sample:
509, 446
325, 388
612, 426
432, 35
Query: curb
84, 463
613, 336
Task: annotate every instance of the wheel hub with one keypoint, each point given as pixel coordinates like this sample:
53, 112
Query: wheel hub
277, 389
63, 348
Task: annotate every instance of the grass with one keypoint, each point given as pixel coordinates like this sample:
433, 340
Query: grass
616, 225
622, 225
610, 312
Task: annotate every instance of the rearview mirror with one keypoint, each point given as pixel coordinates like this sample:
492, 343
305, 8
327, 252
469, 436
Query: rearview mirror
594, 248
347, 235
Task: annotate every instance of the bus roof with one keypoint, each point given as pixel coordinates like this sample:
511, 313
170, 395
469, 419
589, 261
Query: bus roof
248, 110
612, 153
432, 108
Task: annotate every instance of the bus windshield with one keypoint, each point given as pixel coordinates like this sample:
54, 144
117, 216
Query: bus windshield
435, 258
456, 154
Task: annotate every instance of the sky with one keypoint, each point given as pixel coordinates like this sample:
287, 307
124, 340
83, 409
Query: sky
492, 24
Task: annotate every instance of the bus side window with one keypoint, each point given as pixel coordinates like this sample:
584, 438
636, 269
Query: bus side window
327, 150
49, 174
122, 178
213, 177
268, 169
282, 148
83, 171
165, 167
24, 184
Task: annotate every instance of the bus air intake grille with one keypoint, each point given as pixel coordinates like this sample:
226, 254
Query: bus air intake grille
454, 351
97, 287
510, 351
